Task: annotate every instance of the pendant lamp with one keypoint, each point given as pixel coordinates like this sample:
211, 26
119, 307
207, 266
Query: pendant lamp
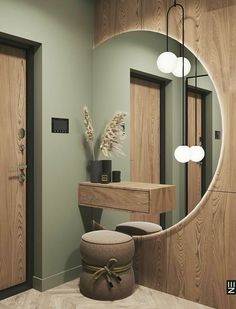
182, 152
168, 62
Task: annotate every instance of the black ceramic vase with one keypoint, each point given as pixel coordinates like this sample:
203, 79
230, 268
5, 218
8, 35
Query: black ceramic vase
95, 170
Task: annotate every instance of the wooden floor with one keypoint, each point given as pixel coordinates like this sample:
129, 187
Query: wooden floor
67, 296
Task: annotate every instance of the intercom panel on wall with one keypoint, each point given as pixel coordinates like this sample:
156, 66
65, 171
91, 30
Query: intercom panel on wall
60, 125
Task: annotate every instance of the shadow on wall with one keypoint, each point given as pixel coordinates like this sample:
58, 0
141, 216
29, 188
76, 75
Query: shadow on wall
74, 259
88, 214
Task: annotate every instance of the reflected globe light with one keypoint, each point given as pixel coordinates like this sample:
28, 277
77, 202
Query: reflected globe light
197, 153
178, 70
166, 62
182, 154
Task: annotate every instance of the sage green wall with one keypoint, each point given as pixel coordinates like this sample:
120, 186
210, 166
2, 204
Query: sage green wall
63, 85
112, 62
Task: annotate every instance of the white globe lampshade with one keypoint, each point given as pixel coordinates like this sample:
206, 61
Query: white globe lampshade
166, 62
182, 154
197, 153
178, 70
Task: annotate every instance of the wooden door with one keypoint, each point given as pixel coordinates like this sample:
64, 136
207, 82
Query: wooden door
12, 156
144, 131
194, 169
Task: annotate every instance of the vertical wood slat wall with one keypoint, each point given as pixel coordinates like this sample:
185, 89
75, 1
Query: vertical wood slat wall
194, 258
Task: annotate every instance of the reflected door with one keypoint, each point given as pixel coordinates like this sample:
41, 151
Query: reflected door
12, 167
194, 135
145, 131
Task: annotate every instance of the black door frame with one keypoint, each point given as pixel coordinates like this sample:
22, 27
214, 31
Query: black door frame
30, 47
203, 93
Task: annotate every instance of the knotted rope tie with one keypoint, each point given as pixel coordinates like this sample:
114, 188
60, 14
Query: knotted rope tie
109, 271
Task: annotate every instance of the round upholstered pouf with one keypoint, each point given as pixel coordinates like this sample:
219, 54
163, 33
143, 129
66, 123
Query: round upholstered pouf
107, 272
133, 228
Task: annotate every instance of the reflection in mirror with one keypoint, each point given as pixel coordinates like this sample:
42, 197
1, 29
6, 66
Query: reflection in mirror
126, 78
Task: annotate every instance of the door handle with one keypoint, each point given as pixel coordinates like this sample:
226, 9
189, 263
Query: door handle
21, 177
22, 148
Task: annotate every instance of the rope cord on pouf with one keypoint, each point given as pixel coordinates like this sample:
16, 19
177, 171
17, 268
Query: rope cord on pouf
109, 271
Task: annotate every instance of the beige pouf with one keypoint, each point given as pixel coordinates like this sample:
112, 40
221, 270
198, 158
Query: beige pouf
133, 228
107, 272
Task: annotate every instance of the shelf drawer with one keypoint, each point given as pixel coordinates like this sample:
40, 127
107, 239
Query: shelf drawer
123, 199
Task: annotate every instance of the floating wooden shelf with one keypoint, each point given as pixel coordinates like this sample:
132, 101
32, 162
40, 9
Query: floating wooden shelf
144, 200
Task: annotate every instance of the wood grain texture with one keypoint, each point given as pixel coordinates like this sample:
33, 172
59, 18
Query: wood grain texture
144, 131
195, 257
128, 185
115, 16
198, 271
114, 198
12, 193
68, 296
194, 169
144, 200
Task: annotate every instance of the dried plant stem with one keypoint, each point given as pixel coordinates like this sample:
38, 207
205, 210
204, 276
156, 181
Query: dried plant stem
91, 145
113, 135
89, 131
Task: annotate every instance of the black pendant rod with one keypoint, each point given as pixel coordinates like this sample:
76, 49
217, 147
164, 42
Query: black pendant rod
181, 54
195, 101
167, 25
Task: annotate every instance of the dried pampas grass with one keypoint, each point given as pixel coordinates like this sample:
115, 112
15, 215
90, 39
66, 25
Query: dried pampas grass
113, 135
89, 131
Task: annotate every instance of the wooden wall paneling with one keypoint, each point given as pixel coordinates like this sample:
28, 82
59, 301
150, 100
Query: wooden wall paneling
197, 255
115, 17
150, 262
155, 15
105, 19
127, 16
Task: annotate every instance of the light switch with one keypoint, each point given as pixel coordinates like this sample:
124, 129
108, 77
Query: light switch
217, 134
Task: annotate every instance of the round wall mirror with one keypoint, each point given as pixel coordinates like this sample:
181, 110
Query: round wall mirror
126, 78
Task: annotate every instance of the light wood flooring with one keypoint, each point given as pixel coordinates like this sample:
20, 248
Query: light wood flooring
67, 296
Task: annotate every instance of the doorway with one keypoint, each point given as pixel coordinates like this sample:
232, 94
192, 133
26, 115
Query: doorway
147, 130
16, 164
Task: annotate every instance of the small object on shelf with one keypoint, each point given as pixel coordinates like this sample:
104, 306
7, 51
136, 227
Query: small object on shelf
95, 170
106, 168
116, 176
104, 178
